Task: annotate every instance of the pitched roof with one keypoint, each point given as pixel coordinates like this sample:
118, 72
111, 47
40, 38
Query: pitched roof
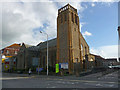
97, 56
27, 46
51, 43
16, 46
34, 48
111, 59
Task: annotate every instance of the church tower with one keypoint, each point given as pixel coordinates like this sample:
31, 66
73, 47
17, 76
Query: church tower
68, 37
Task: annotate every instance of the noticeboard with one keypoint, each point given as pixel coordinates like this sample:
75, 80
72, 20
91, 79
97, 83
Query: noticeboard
64, 65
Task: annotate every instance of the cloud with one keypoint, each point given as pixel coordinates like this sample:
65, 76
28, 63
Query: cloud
81, 25
86, 33
19, 21
59, 1
92, 4
22, 21
103, 0
109, 51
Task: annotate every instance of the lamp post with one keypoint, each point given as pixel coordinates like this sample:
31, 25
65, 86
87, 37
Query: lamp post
47, 50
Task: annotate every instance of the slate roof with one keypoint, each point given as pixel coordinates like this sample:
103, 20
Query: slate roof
34, 48
51, 43
97, 56
27, 46
42, 45
111, 59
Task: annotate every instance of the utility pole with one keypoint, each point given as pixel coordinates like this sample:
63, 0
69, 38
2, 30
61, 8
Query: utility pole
47, 50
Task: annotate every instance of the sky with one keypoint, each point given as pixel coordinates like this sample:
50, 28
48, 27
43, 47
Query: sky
22, 21
119, 25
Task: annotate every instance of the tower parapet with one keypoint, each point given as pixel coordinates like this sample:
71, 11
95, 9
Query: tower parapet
66, 7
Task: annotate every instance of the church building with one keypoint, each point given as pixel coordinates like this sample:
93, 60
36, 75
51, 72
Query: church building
69, 47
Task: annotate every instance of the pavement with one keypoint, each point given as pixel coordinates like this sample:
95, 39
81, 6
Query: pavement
11, 80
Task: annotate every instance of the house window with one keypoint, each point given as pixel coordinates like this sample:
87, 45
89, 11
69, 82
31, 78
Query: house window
15, 52
7, 51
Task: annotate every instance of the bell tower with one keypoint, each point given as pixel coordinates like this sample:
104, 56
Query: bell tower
68, 37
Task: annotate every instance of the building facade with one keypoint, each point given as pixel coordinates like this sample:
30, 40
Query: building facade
27, 57
8, 56
110, 62
34, 56
71, 46
68, 48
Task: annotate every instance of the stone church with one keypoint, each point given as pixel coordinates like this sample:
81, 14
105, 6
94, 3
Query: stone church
69, 46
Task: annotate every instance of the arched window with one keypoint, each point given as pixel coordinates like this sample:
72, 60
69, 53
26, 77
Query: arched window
75, 19
82, 49
7, 51
65, 17
15, 52
72, 17
91, 59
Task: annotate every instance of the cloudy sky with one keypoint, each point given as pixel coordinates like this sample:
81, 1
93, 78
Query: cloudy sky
21, 22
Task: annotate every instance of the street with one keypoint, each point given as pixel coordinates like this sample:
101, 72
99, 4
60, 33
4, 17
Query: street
10, 80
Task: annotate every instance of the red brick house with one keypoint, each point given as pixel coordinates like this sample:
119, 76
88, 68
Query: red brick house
9, 52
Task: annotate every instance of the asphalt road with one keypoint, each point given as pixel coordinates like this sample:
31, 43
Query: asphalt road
43, 81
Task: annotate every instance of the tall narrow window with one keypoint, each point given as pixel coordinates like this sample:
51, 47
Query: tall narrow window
76, 60
75, 19
7, 51
72, 17
15, 52
82, 49
65, 17
75, 29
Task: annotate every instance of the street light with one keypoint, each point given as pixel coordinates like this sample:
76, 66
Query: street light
47, 50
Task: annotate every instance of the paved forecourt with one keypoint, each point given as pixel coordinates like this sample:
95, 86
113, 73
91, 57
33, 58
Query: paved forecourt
44, 81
